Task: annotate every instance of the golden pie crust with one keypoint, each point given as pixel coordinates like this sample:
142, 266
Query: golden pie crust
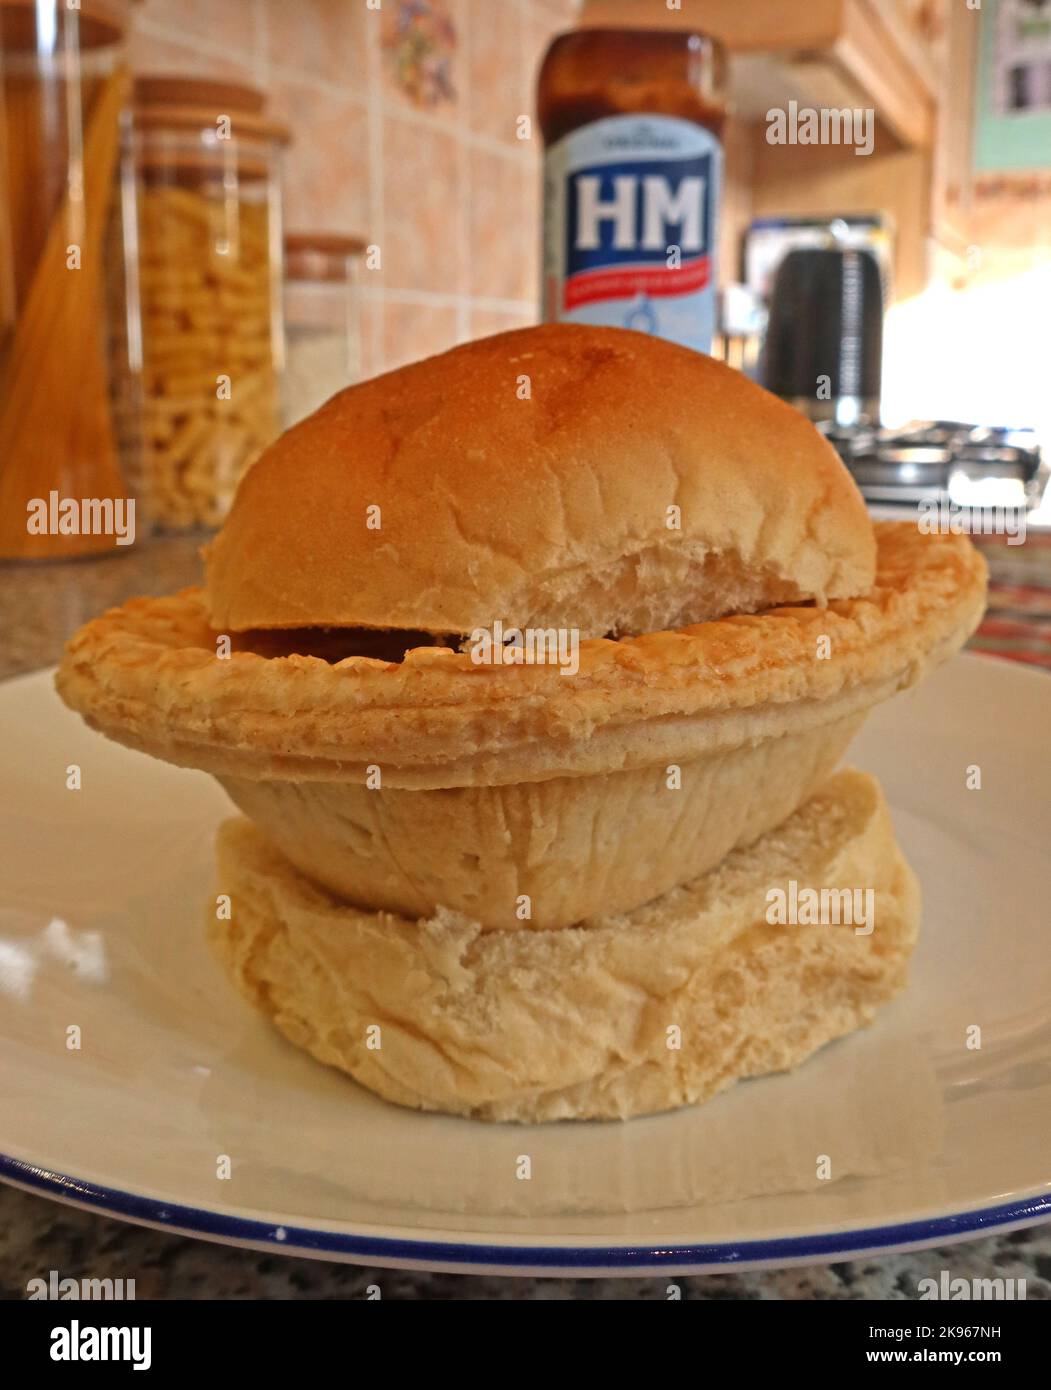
147, 675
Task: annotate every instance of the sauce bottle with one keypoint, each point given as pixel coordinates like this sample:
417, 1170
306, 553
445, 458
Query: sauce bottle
631, 121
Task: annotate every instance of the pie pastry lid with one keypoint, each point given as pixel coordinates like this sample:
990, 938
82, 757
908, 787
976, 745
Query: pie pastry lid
148, 675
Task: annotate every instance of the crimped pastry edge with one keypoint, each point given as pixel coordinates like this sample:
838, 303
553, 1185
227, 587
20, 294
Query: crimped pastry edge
146, 675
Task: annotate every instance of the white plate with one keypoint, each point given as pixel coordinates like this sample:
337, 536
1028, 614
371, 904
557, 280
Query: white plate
929, 1140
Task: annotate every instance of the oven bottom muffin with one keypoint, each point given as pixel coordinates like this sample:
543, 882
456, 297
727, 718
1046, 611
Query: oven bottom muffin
619, 1016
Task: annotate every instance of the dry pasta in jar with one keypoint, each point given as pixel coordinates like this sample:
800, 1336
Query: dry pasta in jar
209, 266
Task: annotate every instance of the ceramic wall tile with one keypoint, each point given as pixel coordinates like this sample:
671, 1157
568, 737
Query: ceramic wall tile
150, 51
405, 130
229, 25
501, 248
423, 240
485, 322
413, 330
493, 90
323, 40
326, 176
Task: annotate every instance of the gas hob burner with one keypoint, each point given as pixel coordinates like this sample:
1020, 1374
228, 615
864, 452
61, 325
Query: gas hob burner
941, 460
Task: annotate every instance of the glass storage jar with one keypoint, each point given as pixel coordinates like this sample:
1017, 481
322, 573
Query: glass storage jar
322, 319
205, 161
63, 97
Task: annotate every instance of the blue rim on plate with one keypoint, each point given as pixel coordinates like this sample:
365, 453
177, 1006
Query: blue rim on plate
195, 1221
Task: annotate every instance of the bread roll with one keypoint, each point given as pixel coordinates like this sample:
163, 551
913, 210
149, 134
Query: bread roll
575, 1024
565, 476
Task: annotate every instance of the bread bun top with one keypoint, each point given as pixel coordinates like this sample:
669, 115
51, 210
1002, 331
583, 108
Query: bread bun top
564, 476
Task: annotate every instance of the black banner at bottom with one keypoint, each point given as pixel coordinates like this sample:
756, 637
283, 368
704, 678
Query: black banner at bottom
276, 1338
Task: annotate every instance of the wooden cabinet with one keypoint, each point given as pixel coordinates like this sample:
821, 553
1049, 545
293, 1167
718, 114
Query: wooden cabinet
863, 53
954, 149
911, 62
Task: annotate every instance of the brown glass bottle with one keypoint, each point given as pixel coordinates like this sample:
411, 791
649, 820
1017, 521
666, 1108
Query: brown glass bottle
631, 121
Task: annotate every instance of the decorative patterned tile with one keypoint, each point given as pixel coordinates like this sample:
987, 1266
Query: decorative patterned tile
421, 50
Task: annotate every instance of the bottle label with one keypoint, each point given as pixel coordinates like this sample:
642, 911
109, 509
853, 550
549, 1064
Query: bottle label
630, 220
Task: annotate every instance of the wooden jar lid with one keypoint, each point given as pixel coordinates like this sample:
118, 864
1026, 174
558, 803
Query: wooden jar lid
191, 103
320, 255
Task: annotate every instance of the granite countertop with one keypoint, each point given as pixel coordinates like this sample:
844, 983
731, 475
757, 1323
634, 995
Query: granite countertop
39, 607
